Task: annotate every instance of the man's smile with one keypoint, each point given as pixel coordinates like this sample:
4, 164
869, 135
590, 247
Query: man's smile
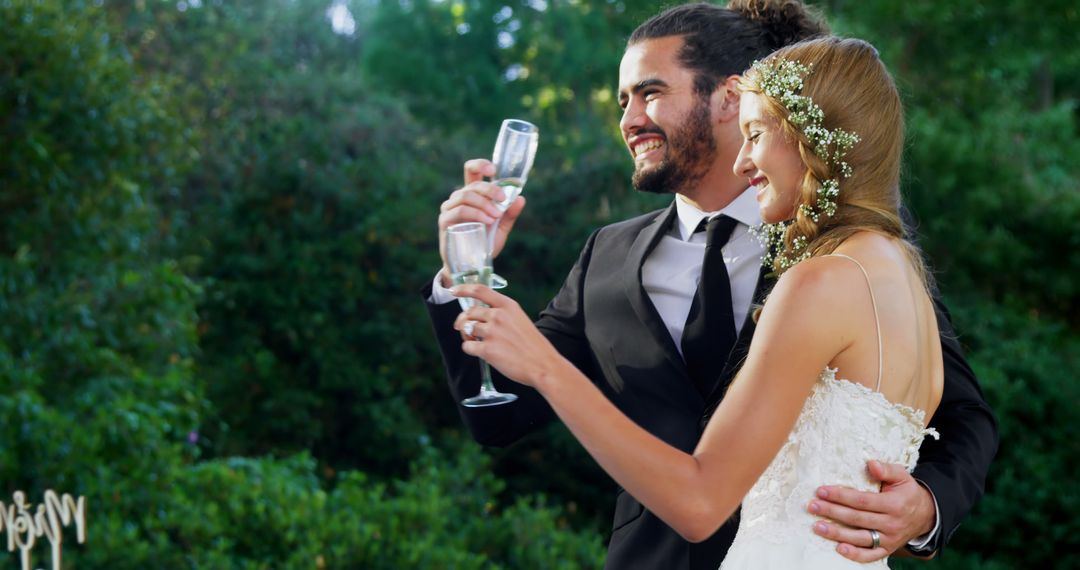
641, 147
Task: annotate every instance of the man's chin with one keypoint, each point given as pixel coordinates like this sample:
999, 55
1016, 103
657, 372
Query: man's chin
653, 180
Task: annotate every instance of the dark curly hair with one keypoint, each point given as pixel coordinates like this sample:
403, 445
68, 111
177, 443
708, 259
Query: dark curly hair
719, 42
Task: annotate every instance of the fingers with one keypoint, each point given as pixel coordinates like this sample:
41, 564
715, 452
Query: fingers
894, 514
852, 517
862, 554
473, 203
887, 473
473, 348
852, 498
461, 214
468, 330
477, 168
839, 533
512, 213
483, 294
855, 543
469, 321
506, 224
473, 325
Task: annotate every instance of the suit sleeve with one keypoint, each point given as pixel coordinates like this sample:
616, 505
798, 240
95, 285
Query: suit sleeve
955, 467
562, 322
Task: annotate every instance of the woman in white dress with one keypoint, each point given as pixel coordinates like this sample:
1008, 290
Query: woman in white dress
845, 365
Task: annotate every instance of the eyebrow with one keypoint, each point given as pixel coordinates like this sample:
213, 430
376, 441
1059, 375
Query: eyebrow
642, 85
750, 123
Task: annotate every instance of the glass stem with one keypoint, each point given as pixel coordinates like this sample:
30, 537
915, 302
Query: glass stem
485, 378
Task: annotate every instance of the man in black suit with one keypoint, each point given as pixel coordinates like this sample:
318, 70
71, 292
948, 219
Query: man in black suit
628, 312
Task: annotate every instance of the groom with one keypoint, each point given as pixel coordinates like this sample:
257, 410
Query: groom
628, 313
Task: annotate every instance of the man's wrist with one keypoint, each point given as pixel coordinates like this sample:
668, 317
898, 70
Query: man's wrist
440, 292
923, 545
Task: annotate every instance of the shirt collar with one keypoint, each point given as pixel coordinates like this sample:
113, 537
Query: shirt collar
743, 208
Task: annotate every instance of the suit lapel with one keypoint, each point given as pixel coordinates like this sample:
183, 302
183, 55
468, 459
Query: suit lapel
645, 242
742, 344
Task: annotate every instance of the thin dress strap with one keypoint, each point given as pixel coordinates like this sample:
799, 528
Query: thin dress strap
877, 323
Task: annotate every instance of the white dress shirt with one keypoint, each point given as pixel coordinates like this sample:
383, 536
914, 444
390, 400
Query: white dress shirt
671, 272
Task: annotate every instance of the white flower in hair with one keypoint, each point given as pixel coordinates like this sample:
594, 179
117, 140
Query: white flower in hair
782, 80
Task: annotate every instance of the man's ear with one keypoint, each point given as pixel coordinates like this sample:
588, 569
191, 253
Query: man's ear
725, 100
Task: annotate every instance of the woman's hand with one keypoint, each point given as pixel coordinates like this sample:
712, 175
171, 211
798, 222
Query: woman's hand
504, 336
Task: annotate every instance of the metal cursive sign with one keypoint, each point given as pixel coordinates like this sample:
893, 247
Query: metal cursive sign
24, 528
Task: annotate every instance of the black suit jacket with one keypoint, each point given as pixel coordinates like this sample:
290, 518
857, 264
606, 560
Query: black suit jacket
603, 321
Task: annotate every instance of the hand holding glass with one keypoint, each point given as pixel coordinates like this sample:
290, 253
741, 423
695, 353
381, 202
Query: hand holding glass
469, 259
515, 150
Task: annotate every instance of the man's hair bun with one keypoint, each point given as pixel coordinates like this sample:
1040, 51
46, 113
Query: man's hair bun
784, 22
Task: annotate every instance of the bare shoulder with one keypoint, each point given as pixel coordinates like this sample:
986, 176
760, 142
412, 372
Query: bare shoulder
820, 285
869, 247
809, 317
811, 307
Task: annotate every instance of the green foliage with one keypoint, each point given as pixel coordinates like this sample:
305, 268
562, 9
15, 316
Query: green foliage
1026, 377
97, 332
297, 236
1018, 208
304, 222
992, 134
267, 513
1024, 364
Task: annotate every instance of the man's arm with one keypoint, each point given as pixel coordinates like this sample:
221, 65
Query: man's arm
952, 469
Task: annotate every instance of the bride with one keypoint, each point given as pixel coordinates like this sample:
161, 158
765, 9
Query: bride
845, 365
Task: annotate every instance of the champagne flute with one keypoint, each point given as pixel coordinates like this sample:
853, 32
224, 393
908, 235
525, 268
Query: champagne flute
515, 149
469, 258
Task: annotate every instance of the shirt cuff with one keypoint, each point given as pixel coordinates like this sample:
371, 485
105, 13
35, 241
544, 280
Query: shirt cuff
920, 544
441, 295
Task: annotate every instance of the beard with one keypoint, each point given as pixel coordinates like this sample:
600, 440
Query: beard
691, 150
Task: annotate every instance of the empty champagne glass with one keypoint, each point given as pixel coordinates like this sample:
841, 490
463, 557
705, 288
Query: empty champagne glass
515, 149
469, 258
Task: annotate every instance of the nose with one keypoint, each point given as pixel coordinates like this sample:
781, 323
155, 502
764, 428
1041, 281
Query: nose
633, 118
744, 166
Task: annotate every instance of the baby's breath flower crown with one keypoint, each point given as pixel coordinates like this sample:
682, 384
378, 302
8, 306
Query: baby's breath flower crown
782, 80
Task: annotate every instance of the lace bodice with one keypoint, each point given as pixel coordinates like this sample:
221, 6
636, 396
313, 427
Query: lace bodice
842, 425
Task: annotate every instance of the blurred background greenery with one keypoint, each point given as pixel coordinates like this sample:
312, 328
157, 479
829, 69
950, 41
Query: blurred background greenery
216, 216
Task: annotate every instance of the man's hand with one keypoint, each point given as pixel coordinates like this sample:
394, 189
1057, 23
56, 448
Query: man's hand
476, 202
903, 510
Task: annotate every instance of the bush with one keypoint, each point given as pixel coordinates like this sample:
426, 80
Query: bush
97, 332
101, 379
266, 513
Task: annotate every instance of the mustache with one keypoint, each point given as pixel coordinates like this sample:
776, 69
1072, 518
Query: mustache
651, 131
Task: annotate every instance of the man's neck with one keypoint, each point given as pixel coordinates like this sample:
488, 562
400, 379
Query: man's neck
712, 194
715, 190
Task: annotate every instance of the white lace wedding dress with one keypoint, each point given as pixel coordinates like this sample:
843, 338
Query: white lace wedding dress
842, 426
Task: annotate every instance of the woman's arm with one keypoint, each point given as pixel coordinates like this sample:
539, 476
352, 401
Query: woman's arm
804, 326
562, 323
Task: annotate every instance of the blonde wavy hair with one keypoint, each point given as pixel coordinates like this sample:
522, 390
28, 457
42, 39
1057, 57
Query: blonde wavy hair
857, 94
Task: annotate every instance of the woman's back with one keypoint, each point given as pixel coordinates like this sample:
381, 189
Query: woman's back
892, 298
848, 418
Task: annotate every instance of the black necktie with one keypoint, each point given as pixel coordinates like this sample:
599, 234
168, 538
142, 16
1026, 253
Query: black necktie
709, 334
